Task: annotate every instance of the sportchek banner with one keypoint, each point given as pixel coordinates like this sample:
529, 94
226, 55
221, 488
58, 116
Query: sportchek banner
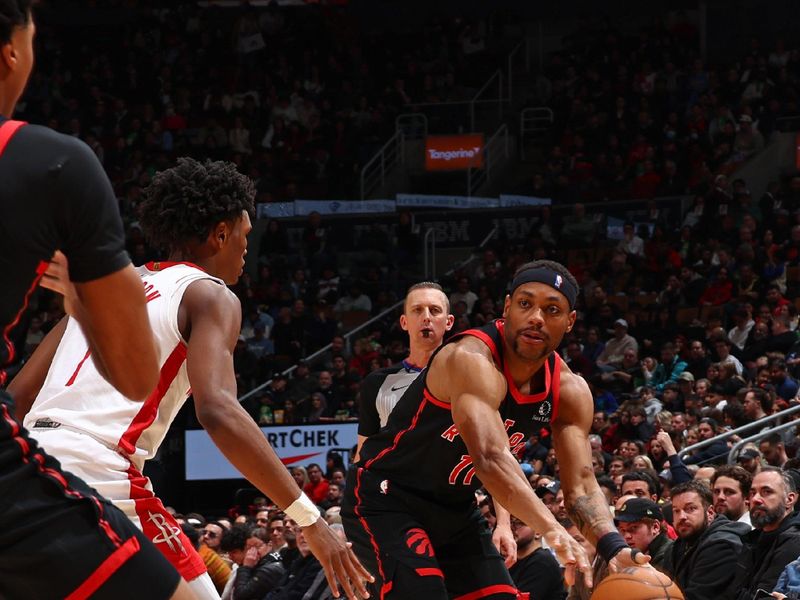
453, 152
296, 446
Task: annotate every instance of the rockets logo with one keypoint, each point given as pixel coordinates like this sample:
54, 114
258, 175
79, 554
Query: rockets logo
170, 535
418, 541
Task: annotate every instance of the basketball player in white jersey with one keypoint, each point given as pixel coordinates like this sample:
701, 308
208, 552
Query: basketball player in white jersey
200, 212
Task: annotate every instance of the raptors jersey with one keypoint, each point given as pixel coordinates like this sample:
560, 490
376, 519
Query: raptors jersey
421, 450
76, 396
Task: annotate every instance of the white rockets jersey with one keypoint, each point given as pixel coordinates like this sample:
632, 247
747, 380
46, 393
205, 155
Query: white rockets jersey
75, 395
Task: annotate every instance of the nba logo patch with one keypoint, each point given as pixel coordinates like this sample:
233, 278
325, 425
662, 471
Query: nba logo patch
559, 281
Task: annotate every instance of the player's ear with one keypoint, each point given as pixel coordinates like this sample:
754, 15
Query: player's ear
571, 320
8, 58
220, 234
449, 323
403, 323
506, 306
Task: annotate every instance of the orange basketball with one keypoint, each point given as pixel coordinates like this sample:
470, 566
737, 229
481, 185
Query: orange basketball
637, 583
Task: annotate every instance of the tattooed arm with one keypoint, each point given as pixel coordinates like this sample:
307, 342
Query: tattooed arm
585, 502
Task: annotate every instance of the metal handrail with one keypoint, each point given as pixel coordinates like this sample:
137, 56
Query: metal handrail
369, 322
734, 452
498, 74
390, 154
324, 349
511, 56
490, 159
767, 419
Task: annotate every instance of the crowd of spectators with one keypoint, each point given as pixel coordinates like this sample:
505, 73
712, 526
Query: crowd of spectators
687, 325
256, 552
643, 115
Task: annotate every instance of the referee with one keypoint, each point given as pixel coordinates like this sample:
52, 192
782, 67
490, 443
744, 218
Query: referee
426, 317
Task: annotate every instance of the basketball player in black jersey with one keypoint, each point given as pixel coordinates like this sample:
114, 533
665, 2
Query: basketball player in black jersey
410, 508
58, 539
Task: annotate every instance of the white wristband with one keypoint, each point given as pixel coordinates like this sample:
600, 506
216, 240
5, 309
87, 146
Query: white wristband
302, 511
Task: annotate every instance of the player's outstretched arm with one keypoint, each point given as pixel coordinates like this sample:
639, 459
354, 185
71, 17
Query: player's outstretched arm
582, 495
214, 319
26, 384
476, 389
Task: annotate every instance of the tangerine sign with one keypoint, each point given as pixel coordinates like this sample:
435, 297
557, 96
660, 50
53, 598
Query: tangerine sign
453, 152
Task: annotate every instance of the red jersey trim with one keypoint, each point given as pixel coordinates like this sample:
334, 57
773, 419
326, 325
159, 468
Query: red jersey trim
399, 435
149, 411
106, 569
518, 396
7, 131
10, 352
435, 401
429, 572
486, 339
556, 387
365, 525
160, 265
488, 591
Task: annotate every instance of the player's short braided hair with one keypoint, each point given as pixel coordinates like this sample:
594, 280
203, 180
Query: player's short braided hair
183, 204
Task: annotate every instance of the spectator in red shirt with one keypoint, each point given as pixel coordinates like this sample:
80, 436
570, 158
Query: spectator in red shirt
317, 486
720, 291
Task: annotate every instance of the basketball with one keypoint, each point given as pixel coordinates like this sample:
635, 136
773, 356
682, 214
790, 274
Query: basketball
637, 583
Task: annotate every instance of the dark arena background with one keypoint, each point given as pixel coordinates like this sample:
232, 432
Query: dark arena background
651, 147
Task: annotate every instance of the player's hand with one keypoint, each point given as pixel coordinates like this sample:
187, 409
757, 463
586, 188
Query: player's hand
56, 278
338, 560
503, 540
250, 557
570, 554
628, 557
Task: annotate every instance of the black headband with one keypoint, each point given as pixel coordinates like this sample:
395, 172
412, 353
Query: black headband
548, 277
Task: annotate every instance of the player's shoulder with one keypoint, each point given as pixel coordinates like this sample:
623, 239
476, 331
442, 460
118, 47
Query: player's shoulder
466, 347
570, 383
50, 142
210, 293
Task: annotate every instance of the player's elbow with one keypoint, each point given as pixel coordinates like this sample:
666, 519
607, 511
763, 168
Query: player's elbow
213, 414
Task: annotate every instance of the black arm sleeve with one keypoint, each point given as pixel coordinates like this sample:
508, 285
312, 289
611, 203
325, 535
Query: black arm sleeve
369, 422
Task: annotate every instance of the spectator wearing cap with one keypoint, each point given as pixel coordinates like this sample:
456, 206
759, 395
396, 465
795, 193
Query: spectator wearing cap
640, 523
730, 487
714, 454
548, 493
750, 460
669, 369
748, 140
685, 386
610, 359
775, 539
